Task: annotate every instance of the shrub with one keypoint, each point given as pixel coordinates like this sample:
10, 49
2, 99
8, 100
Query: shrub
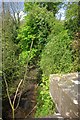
57, 55
45, 106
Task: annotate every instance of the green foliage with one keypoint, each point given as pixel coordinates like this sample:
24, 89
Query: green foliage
57, 28
23, 56
45, 105
72, 10
38, 25
29, 6
11, 67
51, 6
72, 22
57, 55
52, 47
9, 48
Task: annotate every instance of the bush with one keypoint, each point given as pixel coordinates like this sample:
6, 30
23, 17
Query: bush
57, 55
45, 105
37, 27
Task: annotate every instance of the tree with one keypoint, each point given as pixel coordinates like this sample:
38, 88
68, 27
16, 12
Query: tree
11, 66
51, 6
37, 27
72, 24
57, 55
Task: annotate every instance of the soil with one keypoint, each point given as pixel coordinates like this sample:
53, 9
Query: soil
27, 105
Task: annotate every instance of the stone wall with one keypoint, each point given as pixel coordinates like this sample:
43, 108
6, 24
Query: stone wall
64, 90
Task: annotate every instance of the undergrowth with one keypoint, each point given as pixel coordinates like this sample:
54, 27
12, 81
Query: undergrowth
45, 105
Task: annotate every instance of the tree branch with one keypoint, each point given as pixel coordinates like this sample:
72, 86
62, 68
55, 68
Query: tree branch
7, 90
17, 91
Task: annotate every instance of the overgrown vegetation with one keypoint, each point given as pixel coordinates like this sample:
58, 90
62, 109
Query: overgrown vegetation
45, 105
54, 44
57, 55
11, 67
37, 28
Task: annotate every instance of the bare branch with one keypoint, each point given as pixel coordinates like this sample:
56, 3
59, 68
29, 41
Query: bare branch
7, 90
27, 63
17, 91
31, 111
18, 101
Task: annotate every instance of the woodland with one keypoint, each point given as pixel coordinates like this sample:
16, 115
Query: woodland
33, 48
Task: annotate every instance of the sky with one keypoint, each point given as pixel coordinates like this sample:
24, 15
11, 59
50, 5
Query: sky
39, 0
59, 15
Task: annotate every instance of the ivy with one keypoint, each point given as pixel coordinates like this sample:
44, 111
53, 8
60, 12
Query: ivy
37, 27
45, 105
57, 55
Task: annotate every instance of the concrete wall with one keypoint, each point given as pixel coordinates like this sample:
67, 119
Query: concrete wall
64, 90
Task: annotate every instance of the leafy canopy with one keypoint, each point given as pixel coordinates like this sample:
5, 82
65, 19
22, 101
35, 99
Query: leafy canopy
37, 27
57, 55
